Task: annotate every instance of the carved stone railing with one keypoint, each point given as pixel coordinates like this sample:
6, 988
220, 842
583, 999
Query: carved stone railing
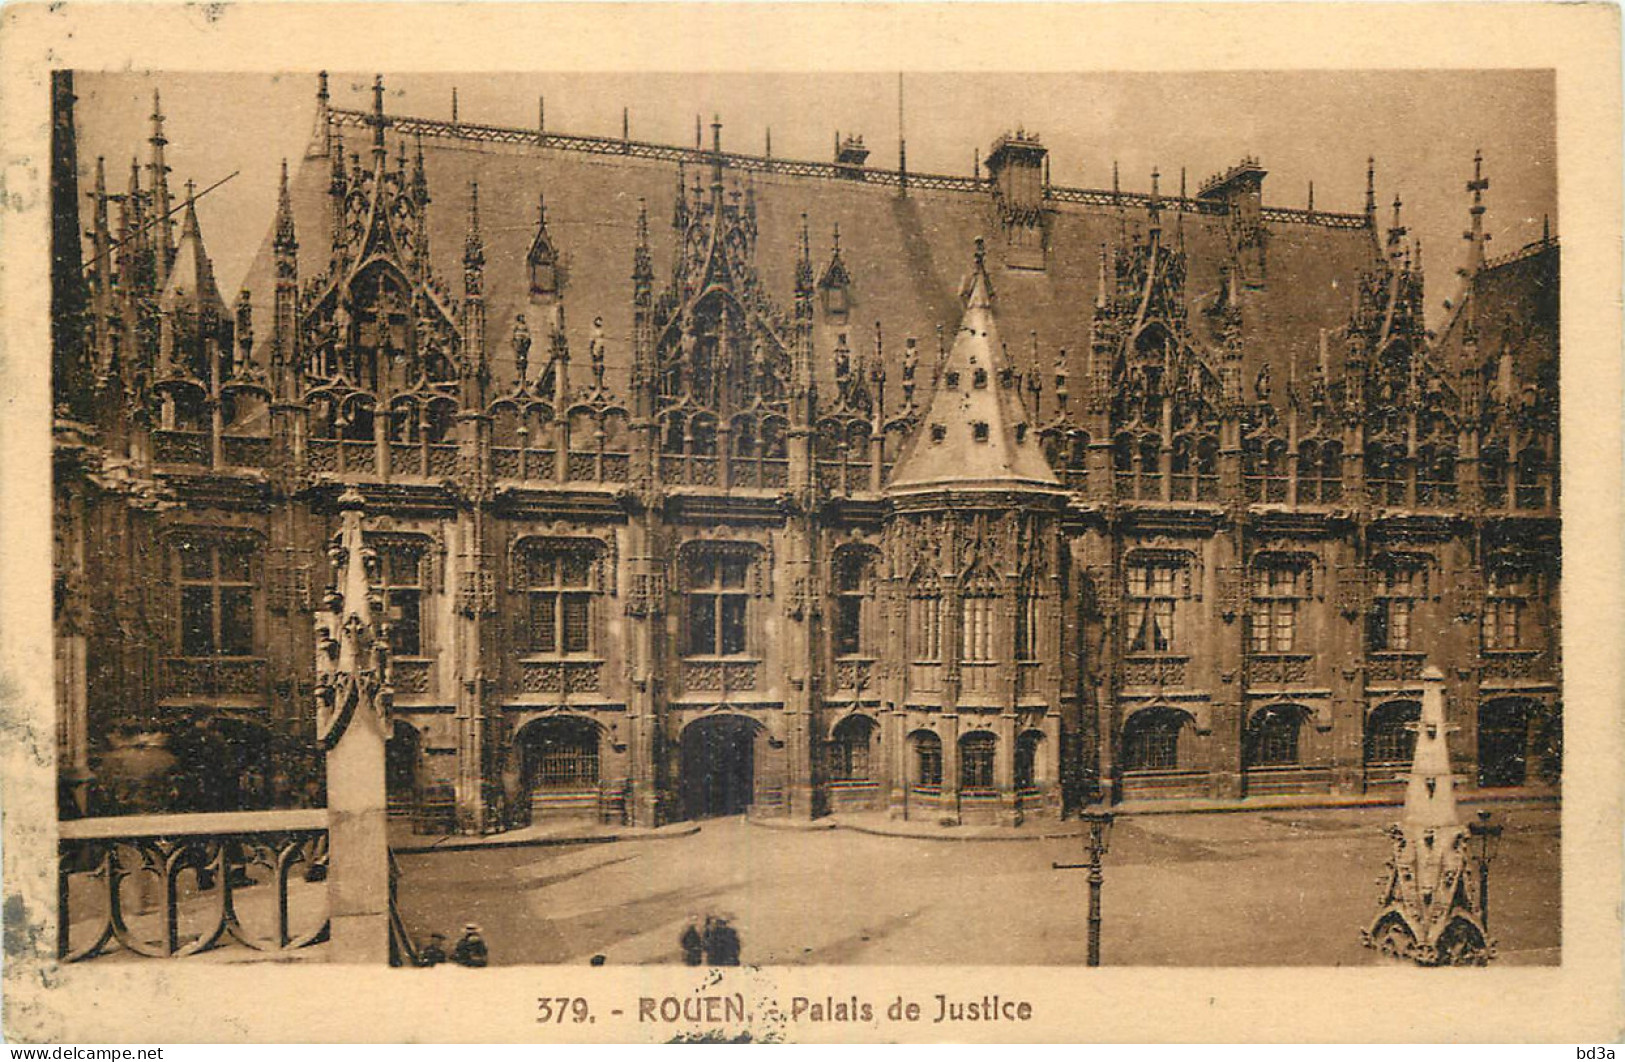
1280, 669
412, 677
1154, 670
1395, 667
720, 676
180, 447
1513, 663
167, 886
245, 451
561, 676
510, 462
854, 674
212, 676
341, 456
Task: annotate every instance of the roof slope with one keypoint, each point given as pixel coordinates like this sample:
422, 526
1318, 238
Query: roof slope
977, 435
902, 251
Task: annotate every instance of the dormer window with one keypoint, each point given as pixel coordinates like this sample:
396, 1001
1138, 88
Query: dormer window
939, 432
979, 379
951, 381
979, 431
1021, 434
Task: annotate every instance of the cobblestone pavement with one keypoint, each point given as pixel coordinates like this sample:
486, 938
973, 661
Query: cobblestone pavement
1268, 888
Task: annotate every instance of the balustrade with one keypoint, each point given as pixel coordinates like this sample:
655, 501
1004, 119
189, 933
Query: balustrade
166, 886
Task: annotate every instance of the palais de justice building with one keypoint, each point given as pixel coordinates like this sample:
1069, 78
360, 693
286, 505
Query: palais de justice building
703, 480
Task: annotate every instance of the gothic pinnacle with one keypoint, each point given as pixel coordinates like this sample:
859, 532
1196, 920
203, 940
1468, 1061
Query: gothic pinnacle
284, 214
377, 120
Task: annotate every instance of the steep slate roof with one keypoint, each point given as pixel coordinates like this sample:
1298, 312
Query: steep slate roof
904, 253
1513, 301
191, 284
976, 393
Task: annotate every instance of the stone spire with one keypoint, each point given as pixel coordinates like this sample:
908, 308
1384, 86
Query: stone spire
1475, 236
191, 285
164, 228
976, 434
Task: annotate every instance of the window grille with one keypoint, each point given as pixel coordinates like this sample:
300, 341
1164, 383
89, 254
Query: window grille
976, 762
928, 759
1272, 739
1151, 741
1391, 735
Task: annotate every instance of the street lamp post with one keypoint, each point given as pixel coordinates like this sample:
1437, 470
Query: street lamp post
1486, 837
1100, 829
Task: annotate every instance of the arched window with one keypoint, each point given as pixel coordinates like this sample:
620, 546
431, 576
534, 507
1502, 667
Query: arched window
1506, 598
1386, 473
1264, 471
1207, 468
1029, 617
1029, 750
976, 753
559, 581
1272, 737
978, 594
854, 601
1182, 469
1151, 739
1492, 475
1390, 733
559, 754
1436, 475
1503, 742
1280, 583
717, 589
1156, 581
1320, 472
924, 619
217, 592
1150, 468
848, 749
1531, 478
399, 583
927, 759
1399, 582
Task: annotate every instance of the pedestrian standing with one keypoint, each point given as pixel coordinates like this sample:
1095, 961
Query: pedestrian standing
692, 943
470, 949
721, 943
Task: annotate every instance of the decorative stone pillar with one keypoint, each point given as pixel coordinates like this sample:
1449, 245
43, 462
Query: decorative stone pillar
353, 698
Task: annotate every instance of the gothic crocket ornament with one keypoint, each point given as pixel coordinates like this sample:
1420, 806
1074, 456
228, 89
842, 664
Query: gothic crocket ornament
353, 667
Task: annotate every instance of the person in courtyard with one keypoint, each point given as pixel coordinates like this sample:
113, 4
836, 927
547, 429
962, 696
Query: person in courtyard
434, 952
692, 943
470, 949
721, 943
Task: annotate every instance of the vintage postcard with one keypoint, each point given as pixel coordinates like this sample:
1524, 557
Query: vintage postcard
811, 523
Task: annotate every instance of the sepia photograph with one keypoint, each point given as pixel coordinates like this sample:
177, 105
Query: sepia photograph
948, 518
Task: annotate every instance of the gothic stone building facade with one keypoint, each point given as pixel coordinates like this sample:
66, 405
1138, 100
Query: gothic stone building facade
702, 481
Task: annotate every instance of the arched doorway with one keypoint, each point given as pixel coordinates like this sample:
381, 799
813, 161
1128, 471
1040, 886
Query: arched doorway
719, 766
1503, 740
558, 771
401, 769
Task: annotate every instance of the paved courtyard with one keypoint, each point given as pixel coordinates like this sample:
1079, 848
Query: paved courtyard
1262, 888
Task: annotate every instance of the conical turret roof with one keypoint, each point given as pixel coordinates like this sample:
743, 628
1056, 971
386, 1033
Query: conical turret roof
191, 285
976, 434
